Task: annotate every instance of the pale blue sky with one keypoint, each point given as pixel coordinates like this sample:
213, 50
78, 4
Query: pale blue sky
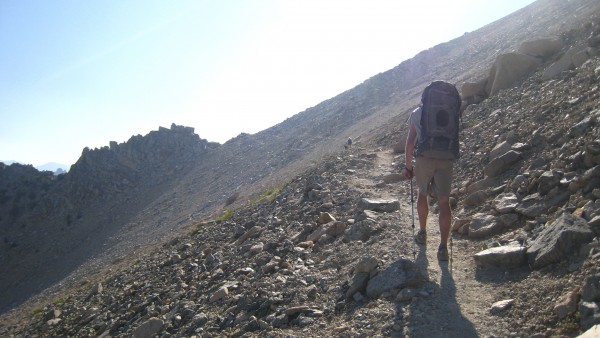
77, 73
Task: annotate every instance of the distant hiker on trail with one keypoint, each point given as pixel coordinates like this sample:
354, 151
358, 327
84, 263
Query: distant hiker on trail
348, 144
434, 131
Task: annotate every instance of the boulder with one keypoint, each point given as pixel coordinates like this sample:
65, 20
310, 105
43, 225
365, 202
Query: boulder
567, 304
473, 89
401, 274
503, 256
563, 64
481, 184
543, 48
483, 225
558, 239
547, 181
149, 328
499, 149
475, 198
535, 205
508, 69
502, 163
358, 284
505, 203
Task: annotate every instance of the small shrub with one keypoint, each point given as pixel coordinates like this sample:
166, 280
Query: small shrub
225, 216
197, 228
37, 312
268, 196
569, 324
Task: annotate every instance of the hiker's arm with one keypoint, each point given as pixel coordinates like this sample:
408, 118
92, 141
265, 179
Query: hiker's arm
409, 149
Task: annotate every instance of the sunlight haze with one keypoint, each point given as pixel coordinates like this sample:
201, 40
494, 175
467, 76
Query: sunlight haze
77, 74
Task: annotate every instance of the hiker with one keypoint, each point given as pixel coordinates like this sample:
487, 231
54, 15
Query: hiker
433, 141
348, 144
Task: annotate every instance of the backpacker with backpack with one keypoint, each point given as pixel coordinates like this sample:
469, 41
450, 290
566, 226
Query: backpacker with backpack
440, 121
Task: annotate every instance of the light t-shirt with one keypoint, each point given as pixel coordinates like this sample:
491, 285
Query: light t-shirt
415, 119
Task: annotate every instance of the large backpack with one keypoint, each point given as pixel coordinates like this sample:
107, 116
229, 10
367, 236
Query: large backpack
440, 120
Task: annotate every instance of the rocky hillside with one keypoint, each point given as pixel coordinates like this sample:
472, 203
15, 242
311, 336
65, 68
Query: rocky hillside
285, 233
52, 224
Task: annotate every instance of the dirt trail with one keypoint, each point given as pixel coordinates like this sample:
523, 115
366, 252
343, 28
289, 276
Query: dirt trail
458, 304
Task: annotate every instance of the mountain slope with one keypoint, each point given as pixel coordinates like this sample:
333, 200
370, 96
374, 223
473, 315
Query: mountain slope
166, 198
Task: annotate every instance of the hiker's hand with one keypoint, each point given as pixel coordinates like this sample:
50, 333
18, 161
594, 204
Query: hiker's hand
408, 173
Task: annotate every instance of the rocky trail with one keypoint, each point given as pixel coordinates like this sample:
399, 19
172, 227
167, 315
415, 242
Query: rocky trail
452, 303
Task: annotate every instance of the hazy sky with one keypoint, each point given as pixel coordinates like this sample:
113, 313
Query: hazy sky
82, 73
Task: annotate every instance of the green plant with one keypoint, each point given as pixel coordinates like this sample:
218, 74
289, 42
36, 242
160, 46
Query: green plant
269, 196
197, 228
225, 216
569, 324
37, 312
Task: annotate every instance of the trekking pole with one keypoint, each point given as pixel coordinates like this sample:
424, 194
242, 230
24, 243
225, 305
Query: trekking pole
451, 253
412, 212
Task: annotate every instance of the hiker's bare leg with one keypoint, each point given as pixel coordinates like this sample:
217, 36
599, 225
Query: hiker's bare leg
445, 218
422, 211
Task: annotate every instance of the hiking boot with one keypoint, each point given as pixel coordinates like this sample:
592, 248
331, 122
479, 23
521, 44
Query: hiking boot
421, 237
442, 253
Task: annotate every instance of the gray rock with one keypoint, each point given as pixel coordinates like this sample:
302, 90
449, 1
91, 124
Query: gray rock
378, 205
503, 256
508, 220
325, 217
406, 294
501, 306
581, 127
475, 198
563, 64
483, 225
505, 203
358, 284
543, 47
335, 228
591, 289
366, 264
221, 293
399, 275
558, 239
148, 328
499, 149
589, 313
567, 304
547, 181
535, 205
509, 68
481, 184
501, 164
393, 178
359, 231
594, 224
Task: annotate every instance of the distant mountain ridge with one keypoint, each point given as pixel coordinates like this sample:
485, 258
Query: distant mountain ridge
55, 167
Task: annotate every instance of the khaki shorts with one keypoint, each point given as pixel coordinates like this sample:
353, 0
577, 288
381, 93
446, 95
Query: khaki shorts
431, 169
